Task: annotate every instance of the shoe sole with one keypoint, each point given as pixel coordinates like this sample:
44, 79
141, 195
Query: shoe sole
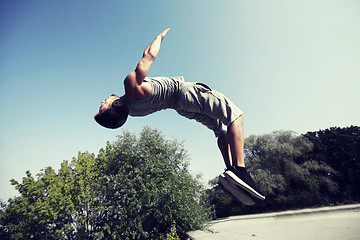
236, 191
237, 181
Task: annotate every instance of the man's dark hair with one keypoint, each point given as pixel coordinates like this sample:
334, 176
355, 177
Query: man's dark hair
114, 117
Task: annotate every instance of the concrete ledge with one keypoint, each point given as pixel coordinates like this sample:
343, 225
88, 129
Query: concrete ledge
289, 213
331, 223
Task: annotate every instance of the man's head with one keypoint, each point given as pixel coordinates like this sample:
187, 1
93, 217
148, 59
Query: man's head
113, 112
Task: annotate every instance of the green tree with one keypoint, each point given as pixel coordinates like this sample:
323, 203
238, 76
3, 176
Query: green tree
281, 165
340, 149
4, 232
147, 180
134, 189
54, 205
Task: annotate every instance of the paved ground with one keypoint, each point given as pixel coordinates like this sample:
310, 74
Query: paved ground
330, 223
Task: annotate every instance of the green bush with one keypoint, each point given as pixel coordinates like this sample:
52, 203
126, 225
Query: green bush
136, 188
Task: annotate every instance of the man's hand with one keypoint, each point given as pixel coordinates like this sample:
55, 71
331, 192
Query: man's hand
153, 49
162, 35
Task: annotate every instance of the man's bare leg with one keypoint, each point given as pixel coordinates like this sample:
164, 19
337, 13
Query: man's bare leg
232, 144
225, 151
235, 139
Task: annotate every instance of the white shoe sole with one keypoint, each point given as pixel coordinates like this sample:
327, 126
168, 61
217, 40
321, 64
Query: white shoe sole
237, 181
236, 191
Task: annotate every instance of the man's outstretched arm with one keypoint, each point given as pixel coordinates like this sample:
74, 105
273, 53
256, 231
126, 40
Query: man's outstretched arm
135, 78
150, 53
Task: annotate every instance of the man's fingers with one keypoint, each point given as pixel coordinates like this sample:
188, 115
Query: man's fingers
164, 32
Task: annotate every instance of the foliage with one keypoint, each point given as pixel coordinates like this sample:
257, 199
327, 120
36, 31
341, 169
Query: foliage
340, 149
280, 164
134, 189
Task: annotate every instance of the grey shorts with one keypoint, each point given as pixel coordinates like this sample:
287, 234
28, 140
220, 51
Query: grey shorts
209, 107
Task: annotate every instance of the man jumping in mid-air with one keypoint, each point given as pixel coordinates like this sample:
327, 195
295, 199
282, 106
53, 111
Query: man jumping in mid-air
145, 95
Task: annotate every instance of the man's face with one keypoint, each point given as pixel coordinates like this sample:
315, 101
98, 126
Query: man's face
106, 104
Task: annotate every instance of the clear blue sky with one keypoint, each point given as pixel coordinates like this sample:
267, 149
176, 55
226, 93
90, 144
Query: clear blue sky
289, 65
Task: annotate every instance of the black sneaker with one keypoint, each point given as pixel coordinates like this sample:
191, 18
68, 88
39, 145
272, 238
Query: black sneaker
244, 180
240, 194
